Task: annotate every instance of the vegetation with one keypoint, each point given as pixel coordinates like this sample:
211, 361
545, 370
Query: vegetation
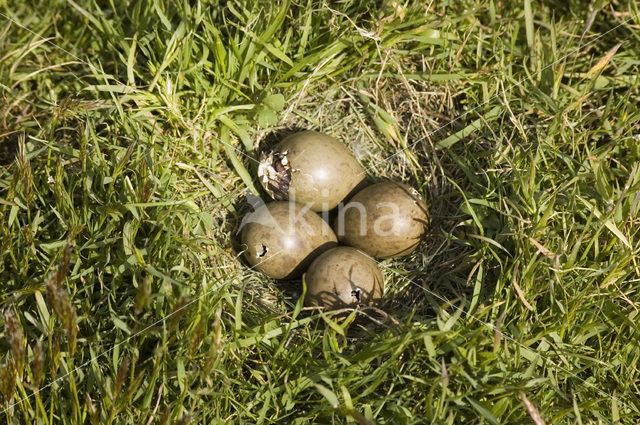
129, 132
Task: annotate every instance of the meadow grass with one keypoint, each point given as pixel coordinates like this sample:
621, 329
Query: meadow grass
129, 132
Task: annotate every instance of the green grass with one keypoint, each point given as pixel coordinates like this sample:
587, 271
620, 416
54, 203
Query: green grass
128, 138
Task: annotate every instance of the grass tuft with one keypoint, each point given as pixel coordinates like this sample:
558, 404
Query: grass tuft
128, 145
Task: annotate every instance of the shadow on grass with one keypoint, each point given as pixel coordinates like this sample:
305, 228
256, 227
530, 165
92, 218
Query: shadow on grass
8, 147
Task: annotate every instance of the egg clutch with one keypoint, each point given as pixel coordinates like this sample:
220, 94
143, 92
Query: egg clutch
309, 173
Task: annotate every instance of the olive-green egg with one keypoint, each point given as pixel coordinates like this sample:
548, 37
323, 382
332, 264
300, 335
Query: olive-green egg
310, 168
384, 220
343, 277
281, 238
